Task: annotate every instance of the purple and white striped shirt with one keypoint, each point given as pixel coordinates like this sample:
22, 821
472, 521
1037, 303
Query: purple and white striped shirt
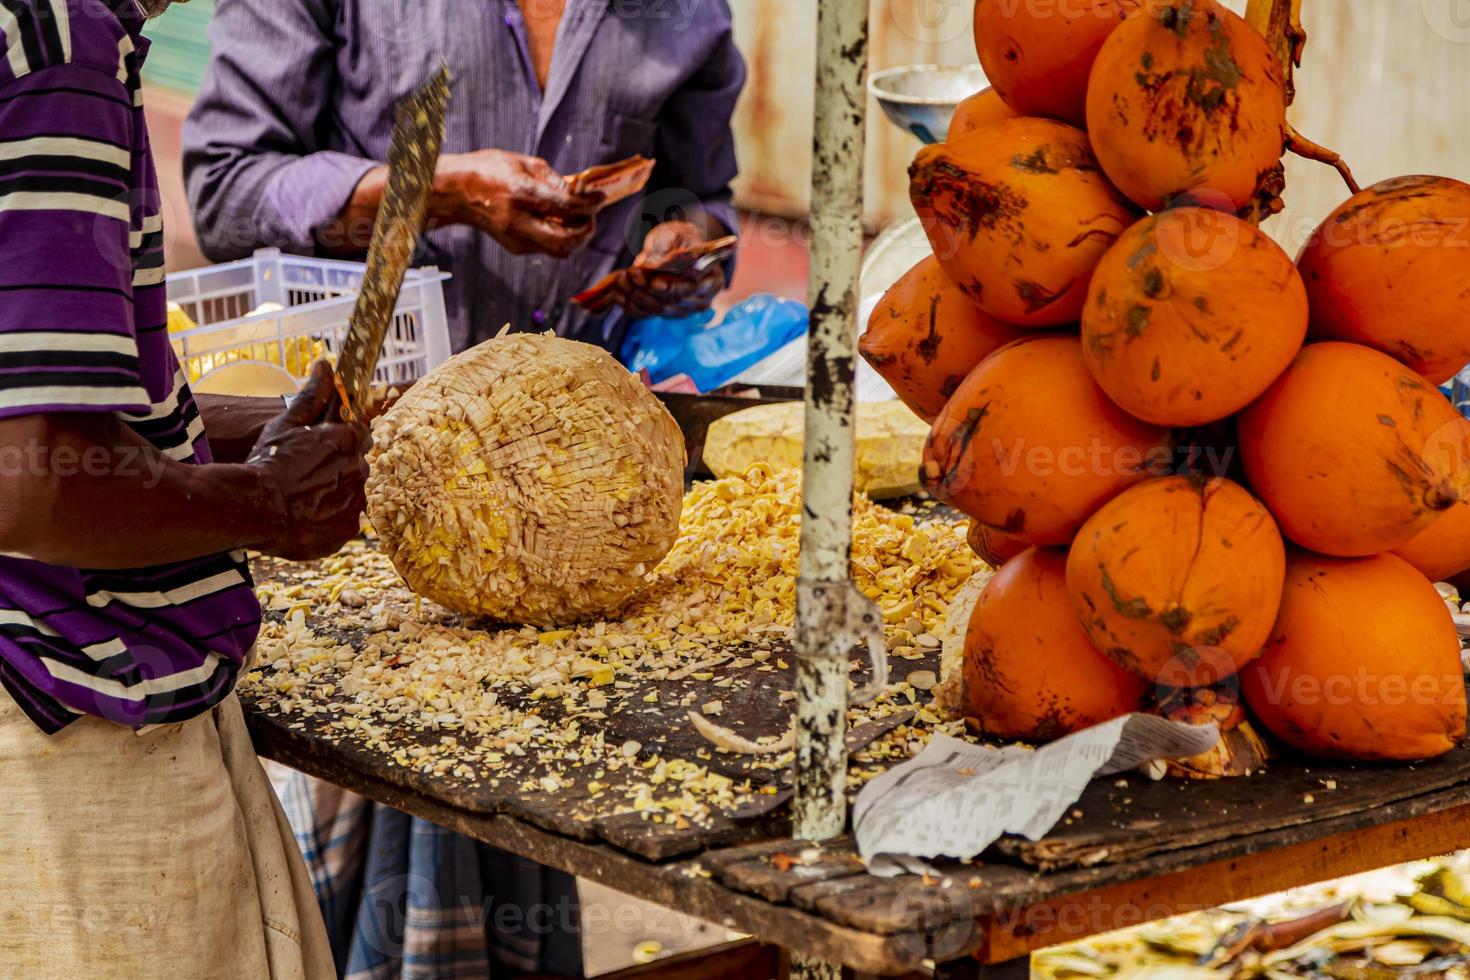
83, 328
297, 106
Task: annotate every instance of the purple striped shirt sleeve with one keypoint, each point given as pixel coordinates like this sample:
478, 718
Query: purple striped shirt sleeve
67, 340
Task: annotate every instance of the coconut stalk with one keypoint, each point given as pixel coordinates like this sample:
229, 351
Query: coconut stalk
1280, 23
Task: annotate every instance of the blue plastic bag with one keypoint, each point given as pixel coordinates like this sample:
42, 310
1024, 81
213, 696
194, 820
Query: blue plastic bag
1457, 390
713, 355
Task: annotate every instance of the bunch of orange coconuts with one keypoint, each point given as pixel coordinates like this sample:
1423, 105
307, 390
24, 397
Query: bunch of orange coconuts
1215, 482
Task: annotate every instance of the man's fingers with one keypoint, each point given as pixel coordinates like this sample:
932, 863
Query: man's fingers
638, 301
712, 280
642, 304
555, 201
310, 403
540, 169
667, 241
664, 294
551, 237
676, 288
603, 303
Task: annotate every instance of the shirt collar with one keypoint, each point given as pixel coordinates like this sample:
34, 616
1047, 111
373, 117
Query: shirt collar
130, 15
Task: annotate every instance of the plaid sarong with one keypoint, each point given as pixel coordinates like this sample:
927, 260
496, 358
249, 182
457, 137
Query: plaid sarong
405, 899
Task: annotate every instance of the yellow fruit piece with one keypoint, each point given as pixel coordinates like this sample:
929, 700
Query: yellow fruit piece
258, 341
890, 444
253, 379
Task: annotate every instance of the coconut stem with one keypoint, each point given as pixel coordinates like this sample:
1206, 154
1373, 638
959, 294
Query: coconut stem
1280, 23
1304, 147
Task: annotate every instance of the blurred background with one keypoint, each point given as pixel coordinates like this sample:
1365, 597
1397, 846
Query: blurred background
1385, 82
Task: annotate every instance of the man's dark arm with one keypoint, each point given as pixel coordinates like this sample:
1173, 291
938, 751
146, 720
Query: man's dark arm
85, 490
234, 424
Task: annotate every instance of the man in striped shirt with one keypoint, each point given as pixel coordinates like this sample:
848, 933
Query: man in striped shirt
126, 605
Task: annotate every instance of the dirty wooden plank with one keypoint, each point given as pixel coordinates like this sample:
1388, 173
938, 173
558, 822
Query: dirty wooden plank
1128, 818
1015, 933
570, 812
660, 730
797, 864
964, 892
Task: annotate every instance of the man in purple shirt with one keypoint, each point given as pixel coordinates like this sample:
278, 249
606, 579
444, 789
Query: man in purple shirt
283, 146
140, 837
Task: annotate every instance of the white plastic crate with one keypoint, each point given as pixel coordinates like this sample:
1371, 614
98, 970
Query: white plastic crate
316, 296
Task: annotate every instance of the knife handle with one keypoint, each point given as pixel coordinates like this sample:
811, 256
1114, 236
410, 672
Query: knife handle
340, 407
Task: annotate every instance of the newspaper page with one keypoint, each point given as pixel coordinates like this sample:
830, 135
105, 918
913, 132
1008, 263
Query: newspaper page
954, 799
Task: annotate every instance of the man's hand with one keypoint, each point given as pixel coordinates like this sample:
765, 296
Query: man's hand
318, 468
649, 289
518, 200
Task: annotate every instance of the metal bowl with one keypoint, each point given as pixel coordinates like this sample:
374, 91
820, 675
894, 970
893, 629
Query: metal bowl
921, 98
894, 252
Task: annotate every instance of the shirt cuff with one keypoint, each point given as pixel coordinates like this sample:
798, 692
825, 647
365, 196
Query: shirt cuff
304, 195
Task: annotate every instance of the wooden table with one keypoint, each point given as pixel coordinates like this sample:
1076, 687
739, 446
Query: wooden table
1134, 850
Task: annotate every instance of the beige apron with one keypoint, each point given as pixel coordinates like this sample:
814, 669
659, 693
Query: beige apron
163, 854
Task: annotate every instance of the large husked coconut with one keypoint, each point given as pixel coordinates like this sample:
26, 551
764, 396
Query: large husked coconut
1030, 671
529, 479
1388, 269
1363, 662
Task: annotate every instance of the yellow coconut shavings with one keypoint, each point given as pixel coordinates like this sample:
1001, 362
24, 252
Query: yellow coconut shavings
715, 612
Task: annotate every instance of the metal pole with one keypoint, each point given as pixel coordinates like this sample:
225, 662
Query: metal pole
829, 611
824, 630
